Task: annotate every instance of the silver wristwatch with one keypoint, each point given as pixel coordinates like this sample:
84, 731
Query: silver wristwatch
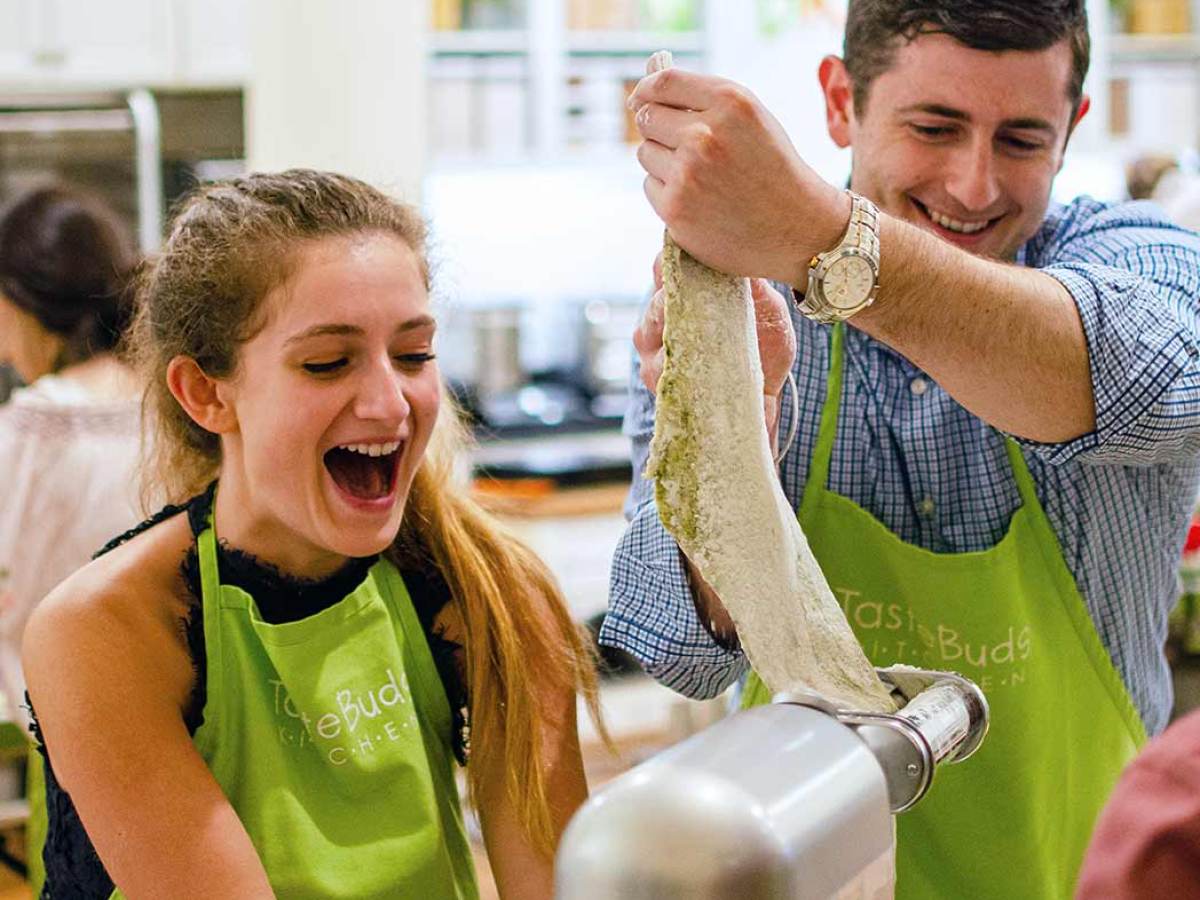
844, 280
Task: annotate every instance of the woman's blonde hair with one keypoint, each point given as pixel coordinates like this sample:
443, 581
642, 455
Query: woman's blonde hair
229, 244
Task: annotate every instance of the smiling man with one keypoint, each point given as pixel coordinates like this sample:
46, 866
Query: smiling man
999, 437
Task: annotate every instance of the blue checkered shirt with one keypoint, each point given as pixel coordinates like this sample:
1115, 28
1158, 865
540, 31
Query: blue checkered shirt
1119, 498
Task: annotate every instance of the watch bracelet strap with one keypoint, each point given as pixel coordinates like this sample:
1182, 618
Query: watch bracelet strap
861, 232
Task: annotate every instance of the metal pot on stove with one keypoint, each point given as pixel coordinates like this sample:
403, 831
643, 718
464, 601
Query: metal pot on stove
606, 339
497, 338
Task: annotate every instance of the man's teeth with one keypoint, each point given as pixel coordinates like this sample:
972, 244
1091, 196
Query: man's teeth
954, 225
372, 449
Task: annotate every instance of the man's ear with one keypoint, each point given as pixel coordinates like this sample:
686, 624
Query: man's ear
1085, 103
839, 99
203, 398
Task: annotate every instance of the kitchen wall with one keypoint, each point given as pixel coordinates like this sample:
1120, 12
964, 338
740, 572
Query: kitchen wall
505, 119
332, 90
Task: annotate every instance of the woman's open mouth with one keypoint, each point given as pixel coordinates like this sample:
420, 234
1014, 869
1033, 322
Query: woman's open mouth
365, 472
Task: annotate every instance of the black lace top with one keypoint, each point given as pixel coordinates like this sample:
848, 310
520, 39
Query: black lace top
73, 870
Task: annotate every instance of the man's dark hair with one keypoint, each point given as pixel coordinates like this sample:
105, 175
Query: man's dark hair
875, 30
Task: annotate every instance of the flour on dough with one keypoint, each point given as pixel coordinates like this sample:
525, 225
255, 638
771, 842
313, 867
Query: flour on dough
719, 496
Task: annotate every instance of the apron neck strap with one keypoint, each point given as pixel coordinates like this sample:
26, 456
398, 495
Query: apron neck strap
1021, 473
818, 475
206, 549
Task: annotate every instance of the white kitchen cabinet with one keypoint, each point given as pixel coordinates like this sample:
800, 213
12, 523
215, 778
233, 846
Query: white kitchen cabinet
84, 44
18, 36
122, 44
211, 42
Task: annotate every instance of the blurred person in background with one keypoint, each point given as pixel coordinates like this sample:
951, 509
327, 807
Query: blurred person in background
278, 712
1147, 840
8, 381
1170, 183
69, 441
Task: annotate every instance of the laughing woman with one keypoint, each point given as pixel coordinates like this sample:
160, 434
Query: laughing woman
261, 691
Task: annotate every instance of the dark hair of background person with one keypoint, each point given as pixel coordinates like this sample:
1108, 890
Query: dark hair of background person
875, 30
1145, 172
66, 260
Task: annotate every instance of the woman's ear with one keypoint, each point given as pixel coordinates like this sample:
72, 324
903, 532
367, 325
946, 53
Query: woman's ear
200, 396
839, 99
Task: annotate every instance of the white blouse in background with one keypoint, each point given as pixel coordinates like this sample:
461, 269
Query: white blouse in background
68, 485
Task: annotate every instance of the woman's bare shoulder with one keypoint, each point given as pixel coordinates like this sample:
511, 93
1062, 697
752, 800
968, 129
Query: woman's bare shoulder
138, 578
118, 618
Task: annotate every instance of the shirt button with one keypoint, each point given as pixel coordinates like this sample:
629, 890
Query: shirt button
918, 386
926, 506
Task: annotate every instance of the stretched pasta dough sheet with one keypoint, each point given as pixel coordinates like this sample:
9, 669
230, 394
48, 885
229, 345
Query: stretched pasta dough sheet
719, 496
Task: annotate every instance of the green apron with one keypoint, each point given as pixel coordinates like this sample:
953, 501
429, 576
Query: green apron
331, 738
1014, 820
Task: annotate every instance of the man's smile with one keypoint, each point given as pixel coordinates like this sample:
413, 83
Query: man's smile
958, 230
955, 225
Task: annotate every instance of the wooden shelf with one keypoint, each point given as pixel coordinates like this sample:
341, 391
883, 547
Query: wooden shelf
1154, 48
489, 42
540, 499
479, 42
633, 43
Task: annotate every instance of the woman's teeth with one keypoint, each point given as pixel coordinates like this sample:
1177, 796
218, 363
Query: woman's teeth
954, 225
372, 449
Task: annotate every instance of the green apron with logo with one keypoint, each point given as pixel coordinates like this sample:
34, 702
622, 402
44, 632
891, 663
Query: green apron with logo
1012, 821
331, 738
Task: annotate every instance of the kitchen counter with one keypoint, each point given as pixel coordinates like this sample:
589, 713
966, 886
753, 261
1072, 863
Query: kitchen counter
562, 495
565, 459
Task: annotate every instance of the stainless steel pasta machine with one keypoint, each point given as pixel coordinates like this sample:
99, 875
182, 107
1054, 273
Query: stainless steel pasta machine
793, 799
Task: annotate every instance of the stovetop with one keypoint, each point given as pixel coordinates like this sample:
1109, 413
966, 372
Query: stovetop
568, 458
541, 409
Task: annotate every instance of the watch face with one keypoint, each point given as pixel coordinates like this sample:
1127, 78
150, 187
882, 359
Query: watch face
848, 282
